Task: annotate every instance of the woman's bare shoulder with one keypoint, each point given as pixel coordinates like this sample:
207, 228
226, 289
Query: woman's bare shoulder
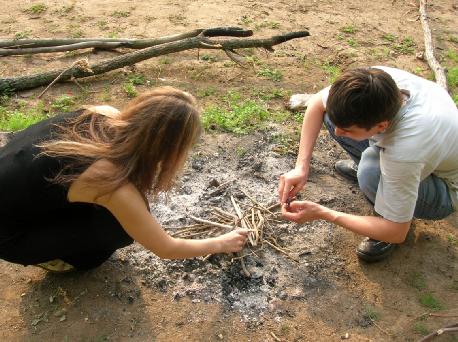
84, 188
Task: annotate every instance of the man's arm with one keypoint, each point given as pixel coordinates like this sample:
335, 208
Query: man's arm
376, 228
293, 181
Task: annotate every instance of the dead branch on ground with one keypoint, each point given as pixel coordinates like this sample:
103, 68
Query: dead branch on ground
453, 328
435, 66
197, 39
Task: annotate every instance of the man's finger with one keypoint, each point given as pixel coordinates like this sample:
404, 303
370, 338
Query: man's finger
281, 186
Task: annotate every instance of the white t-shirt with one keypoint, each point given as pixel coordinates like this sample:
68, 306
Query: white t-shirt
422, 139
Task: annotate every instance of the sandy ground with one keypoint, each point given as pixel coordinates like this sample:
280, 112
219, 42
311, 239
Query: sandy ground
328, 295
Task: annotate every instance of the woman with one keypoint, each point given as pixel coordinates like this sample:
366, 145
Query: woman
73, 187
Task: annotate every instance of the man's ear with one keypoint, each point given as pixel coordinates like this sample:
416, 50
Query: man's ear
382, 126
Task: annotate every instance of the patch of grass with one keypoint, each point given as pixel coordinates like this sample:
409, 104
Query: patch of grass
245, 20
14, 120
453, 38
350, 29
421, 329
270, 73
351, 42
37, 8
275, 93
389, 37
22, 34
137, 79
209, 91
430, 302
103, 25
455, 98
208, 58
165, 60
332, 70
241, 116
130, 90
452, 77
370, 313
120, 14
63, 103
417, 280
406, 46
452, 240
269, 24
452, 55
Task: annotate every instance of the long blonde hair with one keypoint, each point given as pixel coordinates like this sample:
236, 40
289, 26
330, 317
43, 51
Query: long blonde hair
147, 142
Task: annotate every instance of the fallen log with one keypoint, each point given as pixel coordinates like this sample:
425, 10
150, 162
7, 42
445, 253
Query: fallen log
201, 41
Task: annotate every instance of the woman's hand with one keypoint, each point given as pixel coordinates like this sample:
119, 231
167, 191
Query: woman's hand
233, 241
302, 211
291, 183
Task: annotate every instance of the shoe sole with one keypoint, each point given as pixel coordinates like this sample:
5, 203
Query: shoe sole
373, 258
347, 177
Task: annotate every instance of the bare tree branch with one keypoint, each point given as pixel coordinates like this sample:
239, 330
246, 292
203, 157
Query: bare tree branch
201, 41
438, 70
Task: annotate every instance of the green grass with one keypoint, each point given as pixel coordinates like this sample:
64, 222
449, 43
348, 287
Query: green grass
406, 46
417, 280
430, 302
455, 98
209, 91
332, 70
36, 8
130, 90
120, 14
452, 55
63, 103
270, 73
208, 58
389, 37
350, 29
241, 116
421, 329
14, 120
452, 77
370, 313
136, 79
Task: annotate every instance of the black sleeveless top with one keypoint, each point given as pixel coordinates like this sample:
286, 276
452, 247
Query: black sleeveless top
25, 186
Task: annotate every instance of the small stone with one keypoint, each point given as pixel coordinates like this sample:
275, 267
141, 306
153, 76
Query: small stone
345, 337
220, 336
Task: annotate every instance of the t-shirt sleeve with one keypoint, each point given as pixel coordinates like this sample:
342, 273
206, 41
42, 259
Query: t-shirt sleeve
397, 191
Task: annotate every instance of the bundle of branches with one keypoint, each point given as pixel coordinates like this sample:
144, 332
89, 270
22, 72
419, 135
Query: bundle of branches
257, 218
149, 48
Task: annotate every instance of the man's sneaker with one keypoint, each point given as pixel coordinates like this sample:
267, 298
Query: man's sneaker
373, 250
348, 169
56, 266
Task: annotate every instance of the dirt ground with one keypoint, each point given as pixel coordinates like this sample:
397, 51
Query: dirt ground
328, 295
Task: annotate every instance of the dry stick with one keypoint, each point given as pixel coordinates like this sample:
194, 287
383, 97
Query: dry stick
215, 224
222, 185
36, 80
438, 70
80, 64
224, 213
275, 337
380, 328
280, 250
256, 202
449, 328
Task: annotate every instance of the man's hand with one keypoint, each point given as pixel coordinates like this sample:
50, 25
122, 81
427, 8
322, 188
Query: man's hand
302, 211
291, 183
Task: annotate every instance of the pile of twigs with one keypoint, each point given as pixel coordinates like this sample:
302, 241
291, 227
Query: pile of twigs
257, 218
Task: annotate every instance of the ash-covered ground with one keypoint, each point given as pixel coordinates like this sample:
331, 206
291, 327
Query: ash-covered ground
248, 163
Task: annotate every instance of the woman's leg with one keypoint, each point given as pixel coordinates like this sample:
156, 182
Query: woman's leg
84, 236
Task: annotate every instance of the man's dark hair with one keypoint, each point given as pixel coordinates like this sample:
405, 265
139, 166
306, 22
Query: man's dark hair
363, 97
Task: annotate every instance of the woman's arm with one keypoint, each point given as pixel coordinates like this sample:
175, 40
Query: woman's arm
128, 207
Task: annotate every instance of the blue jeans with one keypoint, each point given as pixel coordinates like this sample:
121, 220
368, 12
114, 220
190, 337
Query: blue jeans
433, 202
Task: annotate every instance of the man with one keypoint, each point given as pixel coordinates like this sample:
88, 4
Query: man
401, 132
